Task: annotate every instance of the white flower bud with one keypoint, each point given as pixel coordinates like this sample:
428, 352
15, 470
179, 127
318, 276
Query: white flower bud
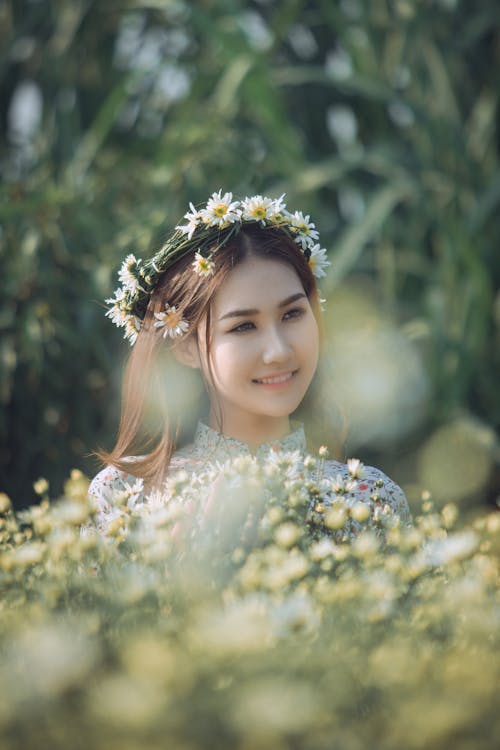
287, 534
335, 518
360, 512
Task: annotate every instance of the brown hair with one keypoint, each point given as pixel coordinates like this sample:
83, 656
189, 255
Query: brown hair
142, 449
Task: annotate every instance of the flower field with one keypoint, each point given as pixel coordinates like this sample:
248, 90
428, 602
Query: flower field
378, 119
281, 632
263, 626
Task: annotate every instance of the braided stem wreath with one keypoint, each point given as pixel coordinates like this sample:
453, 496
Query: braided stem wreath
207, 230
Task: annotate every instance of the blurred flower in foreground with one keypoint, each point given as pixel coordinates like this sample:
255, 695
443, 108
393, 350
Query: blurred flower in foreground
373, 369
456, 462
296, 615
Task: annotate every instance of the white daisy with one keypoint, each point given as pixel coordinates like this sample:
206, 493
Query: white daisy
128, 273
221, 210
172, 321
260, 208
132, 328
356, 468
116, 313
303, 228
203, 266
276, 211
318, 260
350, 485
337, 484
194, 219
279, 206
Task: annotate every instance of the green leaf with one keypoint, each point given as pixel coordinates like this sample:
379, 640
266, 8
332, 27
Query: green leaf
225, 97
356, 237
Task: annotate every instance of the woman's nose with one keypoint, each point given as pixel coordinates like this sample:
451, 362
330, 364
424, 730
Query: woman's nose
276, 347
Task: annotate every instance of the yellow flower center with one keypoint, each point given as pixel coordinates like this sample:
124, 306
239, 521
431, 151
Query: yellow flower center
259, 212
220, 210
303, 228
172, 319
312, 263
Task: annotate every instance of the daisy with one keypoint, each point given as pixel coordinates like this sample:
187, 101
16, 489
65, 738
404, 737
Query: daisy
132, 328
172, 321
289, 463
116, 312
318, 261
304, 228
279, 206
276, 212
221, 210
337, 485
356, 468
203, 266
129, 273
194, 218
350, 485
259, 208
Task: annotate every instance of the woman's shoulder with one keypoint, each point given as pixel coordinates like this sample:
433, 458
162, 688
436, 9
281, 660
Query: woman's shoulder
110, 489
111, 480
370, 485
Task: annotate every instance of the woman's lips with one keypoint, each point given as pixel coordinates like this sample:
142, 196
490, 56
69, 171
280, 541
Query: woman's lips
274, 380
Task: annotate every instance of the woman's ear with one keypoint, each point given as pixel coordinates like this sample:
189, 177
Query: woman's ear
186, 352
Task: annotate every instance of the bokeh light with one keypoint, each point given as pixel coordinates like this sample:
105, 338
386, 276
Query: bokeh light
374, 373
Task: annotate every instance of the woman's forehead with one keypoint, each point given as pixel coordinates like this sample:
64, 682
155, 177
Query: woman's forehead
256, 282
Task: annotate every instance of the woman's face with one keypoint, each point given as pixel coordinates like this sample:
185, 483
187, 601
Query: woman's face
263, 351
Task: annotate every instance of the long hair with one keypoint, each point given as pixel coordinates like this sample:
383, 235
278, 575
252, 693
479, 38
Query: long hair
145, 441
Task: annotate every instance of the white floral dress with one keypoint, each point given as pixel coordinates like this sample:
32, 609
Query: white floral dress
211, 451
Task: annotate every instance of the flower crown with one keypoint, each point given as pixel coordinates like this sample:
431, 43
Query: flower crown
206, 231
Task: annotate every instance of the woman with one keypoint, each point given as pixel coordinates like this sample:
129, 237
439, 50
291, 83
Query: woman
232, 294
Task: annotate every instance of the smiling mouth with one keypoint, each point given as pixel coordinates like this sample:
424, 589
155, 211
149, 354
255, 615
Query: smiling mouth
275, 378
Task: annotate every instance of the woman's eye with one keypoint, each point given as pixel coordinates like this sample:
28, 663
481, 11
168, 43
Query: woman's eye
248, 326
296, 312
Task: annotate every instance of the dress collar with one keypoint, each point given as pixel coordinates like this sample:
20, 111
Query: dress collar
214, 446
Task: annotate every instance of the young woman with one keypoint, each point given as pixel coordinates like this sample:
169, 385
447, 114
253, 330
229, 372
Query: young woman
231, 295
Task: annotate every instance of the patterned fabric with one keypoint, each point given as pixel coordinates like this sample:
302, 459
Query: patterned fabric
210, 450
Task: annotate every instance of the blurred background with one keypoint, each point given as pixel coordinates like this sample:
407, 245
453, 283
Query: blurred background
380, 118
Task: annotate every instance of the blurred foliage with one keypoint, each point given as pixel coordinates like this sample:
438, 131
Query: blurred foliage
294, 643
379, 117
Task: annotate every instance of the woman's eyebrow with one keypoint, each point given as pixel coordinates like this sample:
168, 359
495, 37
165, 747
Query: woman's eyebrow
254, 311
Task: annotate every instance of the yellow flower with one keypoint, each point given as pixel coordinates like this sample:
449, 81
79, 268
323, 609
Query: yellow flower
287, 534
41, 486
5, 503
